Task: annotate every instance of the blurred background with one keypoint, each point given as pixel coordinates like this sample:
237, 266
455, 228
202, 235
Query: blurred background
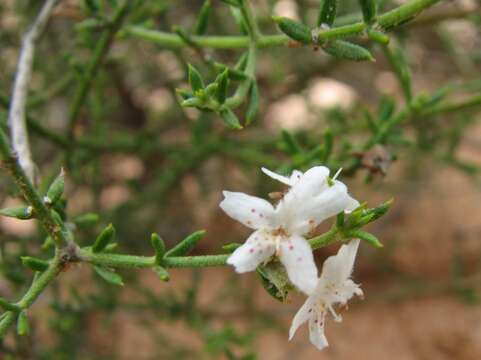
145, 164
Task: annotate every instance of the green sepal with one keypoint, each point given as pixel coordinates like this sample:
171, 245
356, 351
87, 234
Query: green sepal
340, 220
327, 12
274, 279
380, 210
55, 190
365, 236
229, 248
203, 19
222, 82
103, 239
34, 263
162, 273
295, 30
230, 119
109, 275
111, 247
5, 305
195, 79
159, 247
253, 107
23, 327
20, 212
348, 51
369, 10
378, 36
186, 245
86, 220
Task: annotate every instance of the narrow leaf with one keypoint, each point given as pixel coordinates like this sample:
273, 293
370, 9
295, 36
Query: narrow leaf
195, 79
295, 30
292, 146
34, 263
86, 220
327, 12
369, 9
363, 235
230, 247
159, 247
109, 276
5, 305
230, 119
186, 245
162, 273
103, 239
253, 103
20, 212
55, 190
202, 20
222, 82
345, 50
23, 328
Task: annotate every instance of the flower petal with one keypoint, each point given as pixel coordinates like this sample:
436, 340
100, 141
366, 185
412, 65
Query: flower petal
302, 315
289, 181
296, 255
251, 211
257, 248
310, 213
338, 268
316, 331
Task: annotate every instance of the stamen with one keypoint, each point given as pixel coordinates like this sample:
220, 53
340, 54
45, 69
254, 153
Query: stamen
337, 174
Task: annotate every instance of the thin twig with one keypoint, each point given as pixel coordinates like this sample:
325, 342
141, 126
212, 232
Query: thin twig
16, 115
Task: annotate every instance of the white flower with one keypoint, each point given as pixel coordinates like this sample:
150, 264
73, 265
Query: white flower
280, 230
334, 287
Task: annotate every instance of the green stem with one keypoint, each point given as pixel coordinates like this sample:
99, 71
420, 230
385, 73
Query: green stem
387, 20
38, 285
42, 213
100, 50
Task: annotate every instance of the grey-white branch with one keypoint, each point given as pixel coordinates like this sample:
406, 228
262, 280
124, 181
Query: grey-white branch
17, 111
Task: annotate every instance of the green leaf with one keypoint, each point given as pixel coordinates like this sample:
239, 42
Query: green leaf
348, 51
222, 82
86, 220
103, 239
55, 190
235, 3
378, 36
369, 10
253, 103
23, 328
20, 212
230, 119
34, 263
365, 236
5, 305
186, 245
195, 79
109, 276
203, 19
327, 12
295, 30
327, 146
292, 146
162, 273
159, 247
